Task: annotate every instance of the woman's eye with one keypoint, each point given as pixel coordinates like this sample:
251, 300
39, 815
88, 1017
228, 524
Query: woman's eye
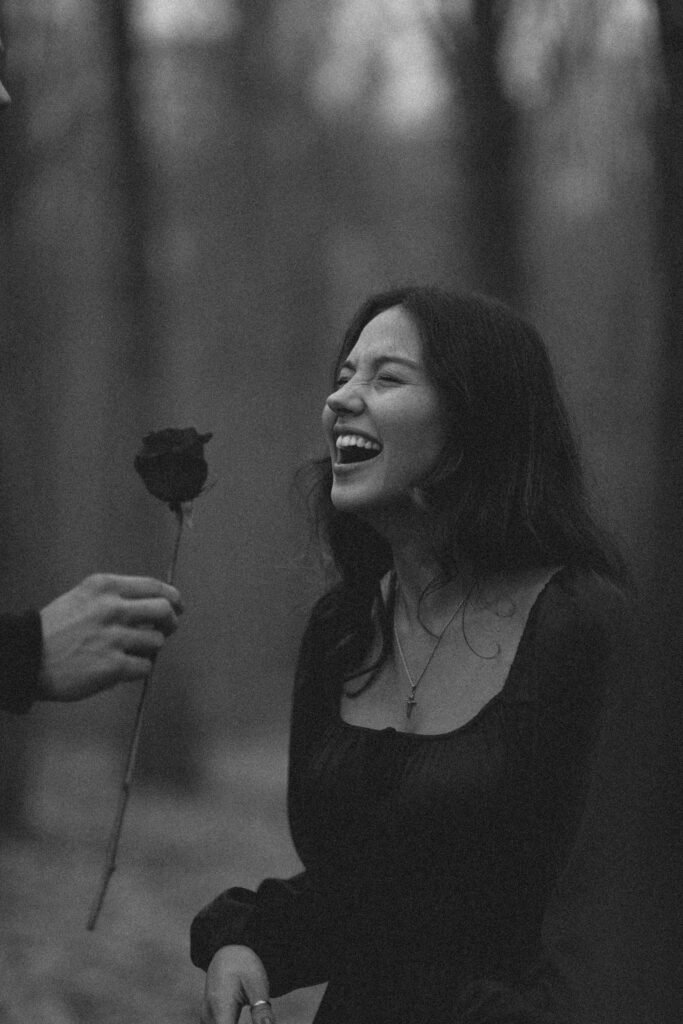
387, 379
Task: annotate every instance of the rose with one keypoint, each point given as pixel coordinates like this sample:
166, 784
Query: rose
172, 465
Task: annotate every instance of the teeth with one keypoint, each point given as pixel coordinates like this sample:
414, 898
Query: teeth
356, 441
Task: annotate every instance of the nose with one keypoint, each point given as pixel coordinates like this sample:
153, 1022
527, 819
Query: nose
346, 399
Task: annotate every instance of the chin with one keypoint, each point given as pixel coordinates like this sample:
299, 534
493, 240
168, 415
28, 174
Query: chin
346, 502
373, 508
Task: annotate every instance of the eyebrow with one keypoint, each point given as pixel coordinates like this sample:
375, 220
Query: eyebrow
382, 360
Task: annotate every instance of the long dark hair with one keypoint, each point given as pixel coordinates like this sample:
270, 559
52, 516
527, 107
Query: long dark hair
508, 492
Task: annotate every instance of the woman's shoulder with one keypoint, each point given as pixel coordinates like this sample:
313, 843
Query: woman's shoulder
321, 635
580, 614
322, 619
559, 596
584, 594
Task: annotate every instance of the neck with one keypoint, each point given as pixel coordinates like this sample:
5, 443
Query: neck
416, 570
415, 565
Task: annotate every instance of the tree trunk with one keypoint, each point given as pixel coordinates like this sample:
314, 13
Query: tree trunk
20, 434
669, 149
167, 754
664, 590
487, 152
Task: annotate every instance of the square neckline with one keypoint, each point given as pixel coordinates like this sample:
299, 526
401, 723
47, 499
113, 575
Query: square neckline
391, 731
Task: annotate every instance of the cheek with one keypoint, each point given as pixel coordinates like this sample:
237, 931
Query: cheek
435, 432
420, 440
419, 459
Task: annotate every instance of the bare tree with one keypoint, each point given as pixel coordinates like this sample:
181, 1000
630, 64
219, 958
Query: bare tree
168, 752
486, 144
664, 593
669, 149
20, 430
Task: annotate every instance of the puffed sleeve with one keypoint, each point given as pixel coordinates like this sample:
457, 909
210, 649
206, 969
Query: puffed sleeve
601, 937
287, 922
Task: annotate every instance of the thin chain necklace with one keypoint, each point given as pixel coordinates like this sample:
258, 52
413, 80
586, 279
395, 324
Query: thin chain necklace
414, 683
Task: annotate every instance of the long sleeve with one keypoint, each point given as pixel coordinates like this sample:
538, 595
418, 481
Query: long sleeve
285, 922
20, 657
489, 875
600, 945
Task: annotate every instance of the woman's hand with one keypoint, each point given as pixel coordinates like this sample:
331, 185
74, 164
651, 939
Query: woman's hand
235, 978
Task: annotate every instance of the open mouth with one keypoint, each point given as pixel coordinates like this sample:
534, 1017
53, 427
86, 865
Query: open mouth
352, 448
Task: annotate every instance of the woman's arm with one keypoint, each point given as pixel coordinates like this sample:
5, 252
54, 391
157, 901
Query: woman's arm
285, 922
601, 943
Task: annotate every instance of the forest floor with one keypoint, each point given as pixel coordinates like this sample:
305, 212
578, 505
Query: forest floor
177, 852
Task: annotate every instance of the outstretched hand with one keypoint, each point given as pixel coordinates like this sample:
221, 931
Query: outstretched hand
107, 630
236, 978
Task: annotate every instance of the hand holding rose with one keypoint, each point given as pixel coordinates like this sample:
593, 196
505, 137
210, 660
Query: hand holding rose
107, 630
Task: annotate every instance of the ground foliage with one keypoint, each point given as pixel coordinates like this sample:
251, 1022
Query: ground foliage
177, 852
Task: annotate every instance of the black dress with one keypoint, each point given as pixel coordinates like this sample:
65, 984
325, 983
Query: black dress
435, 865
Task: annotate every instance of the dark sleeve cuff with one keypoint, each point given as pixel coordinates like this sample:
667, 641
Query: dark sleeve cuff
21, 650
224, 922
284, 922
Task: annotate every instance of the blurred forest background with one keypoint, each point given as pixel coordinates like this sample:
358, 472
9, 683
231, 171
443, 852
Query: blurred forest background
196, 194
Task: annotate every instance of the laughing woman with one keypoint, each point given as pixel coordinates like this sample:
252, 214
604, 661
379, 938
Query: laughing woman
448, 693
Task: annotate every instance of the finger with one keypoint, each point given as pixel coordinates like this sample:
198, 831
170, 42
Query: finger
131, 669
256, 994
220, 1010
262, 1012
145, 643
209, 1016
214, 1015
136, 587
150, 611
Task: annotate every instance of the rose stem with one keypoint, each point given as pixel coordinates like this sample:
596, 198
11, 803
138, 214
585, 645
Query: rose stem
124, 792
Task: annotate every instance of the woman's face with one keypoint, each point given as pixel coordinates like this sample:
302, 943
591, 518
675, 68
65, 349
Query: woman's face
383, 423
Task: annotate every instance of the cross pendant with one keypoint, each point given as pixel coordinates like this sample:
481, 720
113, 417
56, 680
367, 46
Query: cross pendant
410, 704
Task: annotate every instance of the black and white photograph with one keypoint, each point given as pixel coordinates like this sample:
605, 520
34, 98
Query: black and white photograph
341, 511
